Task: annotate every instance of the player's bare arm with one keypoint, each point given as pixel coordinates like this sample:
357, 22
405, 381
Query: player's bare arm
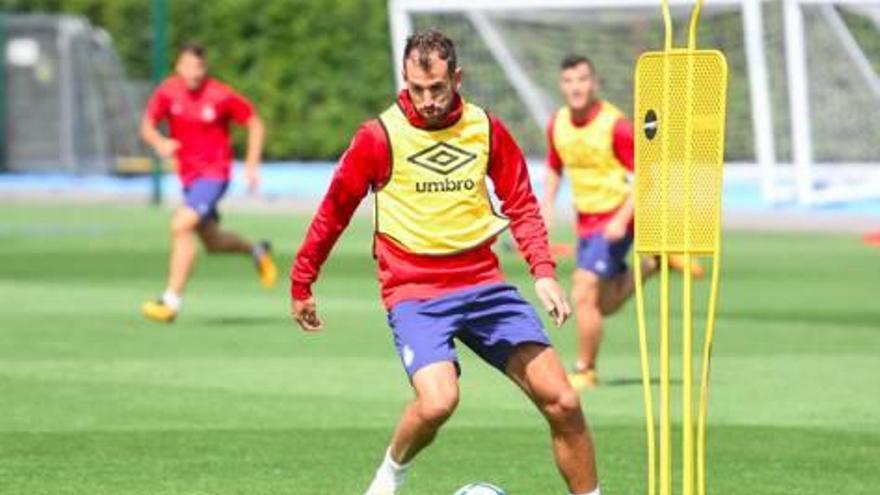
552, 179
253, 157
619, 224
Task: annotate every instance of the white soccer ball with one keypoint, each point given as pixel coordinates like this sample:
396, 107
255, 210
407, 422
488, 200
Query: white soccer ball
480, 489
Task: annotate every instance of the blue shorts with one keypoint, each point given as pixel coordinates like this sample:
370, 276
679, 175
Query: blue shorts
606, 259
203, 196
490, 319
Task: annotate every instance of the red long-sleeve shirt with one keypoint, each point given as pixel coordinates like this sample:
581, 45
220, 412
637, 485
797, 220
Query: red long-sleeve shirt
403, 275
622, 143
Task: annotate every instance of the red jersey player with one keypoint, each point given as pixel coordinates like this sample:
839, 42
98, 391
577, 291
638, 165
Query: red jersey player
199, 111
427, 159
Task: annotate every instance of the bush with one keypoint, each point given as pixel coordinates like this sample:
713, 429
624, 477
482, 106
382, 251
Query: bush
315, 70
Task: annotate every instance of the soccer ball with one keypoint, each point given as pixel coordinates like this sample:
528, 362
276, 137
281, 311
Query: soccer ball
480, 489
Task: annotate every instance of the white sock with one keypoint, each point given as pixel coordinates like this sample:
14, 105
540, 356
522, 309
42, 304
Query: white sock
391, 467
594, 492
172, 300
389, 477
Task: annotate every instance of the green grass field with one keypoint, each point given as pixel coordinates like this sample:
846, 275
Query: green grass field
233, 399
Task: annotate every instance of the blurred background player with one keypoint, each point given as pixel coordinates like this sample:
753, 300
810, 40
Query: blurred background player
427, 158
199, 110
593, 142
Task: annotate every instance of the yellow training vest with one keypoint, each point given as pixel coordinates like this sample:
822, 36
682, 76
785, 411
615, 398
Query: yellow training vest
436, 201
598, 179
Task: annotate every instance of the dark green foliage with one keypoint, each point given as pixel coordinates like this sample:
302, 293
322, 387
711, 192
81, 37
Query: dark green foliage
314, 69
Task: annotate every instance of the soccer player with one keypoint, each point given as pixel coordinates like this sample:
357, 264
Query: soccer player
427, 159
199, 110
592, 141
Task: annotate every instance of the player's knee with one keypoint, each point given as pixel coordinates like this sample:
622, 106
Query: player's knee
564, 410
183, 223
437, 409
584, 289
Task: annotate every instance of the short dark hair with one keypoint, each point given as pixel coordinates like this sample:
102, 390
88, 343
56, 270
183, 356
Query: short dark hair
572, 61
431, 41
192, 48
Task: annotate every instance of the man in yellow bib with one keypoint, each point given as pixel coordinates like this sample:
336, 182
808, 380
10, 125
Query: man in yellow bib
592, 141
427, 159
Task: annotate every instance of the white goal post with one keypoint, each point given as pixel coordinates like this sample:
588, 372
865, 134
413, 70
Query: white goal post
800, 88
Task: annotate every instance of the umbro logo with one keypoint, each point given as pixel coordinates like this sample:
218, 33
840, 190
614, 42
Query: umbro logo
442, 158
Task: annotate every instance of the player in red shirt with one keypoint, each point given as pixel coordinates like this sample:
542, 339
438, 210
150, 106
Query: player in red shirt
427, 159
199, 111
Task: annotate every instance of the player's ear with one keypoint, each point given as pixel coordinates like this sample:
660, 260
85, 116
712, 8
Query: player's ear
456, 79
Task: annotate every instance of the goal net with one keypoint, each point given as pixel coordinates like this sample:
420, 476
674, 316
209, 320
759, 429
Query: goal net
510, 51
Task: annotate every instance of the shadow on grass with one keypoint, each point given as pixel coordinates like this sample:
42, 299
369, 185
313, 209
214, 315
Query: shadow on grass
244, 321
632, 381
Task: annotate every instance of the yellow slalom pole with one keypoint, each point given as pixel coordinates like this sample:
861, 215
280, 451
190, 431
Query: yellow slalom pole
646, 374
687, 378
667, 25
704, 379
695, 21
665, 394
687, 395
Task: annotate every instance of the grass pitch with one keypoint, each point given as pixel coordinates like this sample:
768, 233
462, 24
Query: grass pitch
233, 399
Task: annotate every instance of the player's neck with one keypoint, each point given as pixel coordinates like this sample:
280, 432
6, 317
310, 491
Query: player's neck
582, 116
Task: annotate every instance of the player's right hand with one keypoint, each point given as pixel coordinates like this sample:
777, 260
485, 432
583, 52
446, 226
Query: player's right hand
305, 313
552, 296
166, 148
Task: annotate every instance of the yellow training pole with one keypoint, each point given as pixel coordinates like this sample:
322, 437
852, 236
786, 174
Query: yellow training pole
665, 378
680, 100
687, 379
704, 379
646, 375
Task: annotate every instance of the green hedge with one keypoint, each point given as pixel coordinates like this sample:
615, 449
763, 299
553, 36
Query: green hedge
314, 69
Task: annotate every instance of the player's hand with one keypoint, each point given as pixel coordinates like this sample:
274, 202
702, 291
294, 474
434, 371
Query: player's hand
553, 298
615, 231
305, 313
166, 148
252, 178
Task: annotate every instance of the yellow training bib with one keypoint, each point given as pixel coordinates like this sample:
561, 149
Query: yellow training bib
436, 201
598, 179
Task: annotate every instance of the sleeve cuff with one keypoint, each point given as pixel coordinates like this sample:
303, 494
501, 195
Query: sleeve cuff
544, 269
300, 291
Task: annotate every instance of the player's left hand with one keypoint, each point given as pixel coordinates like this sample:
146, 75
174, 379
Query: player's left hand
305, 313
252, 178
553, 298
614, 231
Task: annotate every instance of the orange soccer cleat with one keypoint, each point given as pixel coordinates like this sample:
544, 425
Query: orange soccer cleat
266, 268
676, 262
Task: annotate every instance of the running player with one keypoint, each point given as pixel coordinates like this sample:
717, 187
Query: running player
593, 142
199, 110
427, 159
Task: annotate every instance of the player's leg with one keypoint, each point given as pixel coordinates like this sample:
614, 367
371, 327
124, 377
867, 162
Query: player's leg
588, 320
436, 397
204, 197
616, 291
536, 368
504, 330
601, 284
181, 260
217, 240
423, 332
